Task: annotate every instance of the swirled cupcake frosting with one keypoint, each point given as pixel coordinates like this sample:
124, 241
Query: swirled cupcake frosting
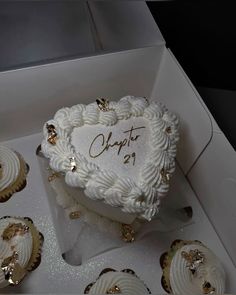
192, 268
13, 171
117, 282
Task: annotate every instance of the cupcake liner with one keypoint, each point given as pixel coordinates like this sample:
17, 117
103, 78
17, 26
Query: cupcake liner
38, 240
19, 184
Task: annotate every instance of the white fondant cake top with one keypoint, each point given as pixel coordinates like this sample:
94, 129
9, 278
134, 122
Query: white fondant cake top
123, 156
10, 167
128, 157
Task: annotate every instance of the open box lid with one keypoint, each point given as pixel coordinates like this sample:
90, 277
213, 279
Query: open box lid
119, 25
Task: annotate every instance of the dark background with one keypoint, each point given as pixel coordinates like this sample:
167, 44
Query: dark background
202, 36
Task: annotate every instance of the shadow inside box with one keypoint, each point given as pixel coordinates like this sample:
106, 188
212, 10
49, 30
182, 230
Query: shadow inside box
80, 240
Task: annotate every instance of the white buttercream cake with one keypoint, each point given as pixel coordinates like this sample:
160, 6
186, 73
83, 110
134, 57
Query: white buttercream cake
113, 158
192, 268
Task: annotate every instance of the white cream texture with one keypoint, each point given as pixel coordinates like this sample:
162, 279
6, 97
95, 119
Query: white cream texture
183, 282
127, 283
139, 194
10, 167
23, 245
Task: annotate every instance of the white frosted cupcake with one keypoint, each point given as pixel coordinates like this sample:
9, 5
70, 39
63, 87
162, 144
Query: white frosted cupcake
191, 268
120, 154
20, 249
111, 281
13, 172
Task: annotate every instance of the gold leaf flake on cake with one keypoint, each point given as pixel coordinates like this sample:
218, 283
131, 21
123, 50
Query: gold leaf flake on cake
207, 288
52, 134
103, 104
128, 233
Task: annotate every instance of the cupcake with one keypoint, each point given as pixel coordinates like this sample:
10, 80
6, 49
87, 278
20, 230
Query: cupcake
20, 249
13, 172
111, 281
191, 268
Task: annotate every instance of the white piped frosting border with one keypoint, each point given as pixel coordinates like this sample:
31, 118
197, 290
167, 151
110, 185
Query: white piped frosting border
105, 185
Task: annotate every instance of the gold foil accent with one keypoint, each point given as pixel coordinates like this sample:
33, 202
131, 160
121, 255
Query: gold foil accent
72, 164
52, 135
168, 130
53, 176
103, 104
207, 288
12, 270
75, 215
194, 258
128, 233
165, 175
14, 229
114, 290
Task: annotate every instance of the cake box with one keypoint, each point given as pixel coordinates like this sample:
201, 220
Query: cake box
149, 72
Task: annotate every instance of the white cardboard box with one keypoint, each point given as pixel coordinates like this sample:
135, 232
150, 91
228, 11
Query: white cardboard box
31, 96
205, 169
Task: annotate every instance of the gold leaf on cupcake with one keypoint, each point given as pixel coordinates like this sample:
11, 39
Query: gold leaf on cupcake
194, 258
165, 176
14, 229
207, 288
12, 270
114, 290
103, 104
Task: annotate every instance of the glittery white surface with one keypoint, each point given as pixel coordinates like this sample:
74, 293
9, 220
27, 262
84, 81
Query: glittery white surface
54, 275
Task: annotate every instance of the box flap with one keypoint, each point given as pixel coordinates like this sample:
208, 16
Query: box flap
121, 25
176, 91
213, 178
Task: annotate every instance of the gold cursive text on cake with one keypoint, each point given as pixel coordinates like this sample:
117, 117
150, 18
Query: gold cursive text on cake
104, 143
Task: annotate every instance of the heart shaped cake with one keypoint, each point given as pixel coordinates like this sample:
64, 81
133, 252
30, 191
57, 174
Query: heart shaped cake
122, 154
